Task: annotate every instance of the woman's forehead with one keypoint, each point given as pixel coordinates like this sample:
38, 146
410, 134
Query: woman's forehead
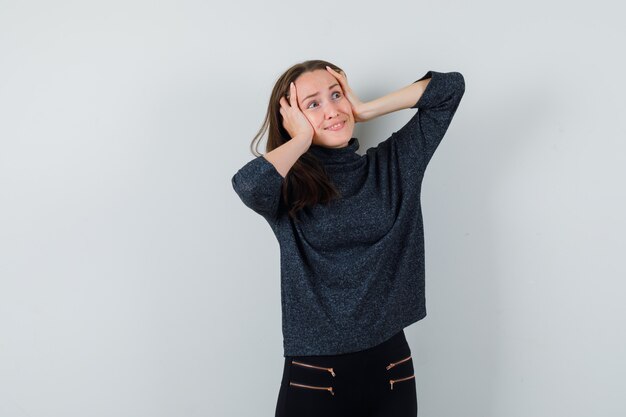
315, 79
314, 82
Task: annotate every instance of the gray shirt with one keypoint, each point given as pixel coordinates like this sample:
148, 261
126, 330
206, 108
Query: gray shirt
352, 272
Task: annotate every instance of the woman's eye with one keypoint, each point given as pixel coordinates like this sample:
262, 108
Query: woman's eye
315, 102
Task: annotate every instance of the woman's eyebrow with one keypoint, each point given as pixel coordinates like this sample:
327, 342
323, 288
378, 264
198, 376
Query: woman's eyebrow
313, 95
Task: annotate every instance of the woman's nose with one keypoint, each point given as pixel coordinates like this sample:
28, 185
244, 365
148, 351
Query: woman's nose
332, 111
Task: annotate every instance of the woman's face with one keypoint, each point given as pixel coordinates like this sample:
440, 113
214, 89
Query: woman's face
321, 99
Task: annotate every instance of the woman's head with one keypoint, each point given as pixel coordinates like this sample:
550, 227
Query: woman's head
322, 101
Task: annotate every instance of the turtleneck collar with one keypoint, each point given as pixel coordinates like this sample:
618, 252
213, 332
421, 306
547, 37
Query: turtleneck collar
337, 156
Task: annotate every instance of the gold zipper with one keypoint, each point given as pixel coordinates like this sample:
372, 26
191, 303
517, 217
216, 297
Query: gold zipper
329, 389
391, 381
391, 365
313, 366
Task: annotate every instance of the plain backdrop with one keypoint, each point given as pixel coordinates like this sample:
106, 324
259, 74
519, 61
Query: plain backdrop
135, 283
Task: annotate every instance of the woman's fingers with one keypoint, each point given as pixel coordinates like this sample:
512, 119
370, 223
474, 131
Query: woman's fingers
343, 81
332, 71
293, 100
341, 76
289, 110
294, 120
355, 103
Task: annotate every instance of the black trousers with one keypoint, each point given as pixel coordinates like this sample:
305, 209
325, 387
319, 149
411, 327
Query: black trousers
376, 382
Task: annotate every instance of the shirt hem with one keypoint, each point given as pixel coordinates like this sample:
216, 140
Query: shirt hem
372, 342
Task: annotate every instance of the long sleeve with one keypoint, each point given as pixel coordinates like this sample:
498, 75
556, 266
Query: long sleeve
436, 108
258, 184
414, 144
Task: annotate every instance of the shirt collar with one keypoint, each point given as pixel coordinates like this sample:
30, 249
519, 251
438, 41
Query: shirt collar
336, 156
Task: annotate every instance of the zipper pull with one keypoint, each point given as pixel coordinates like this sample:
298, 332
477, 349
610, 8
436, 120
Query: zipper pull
391, 381
391, 365
330, 389
332, 372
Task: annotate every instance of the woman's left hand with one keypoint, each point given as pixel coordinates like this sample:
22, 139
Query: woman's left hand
358, 107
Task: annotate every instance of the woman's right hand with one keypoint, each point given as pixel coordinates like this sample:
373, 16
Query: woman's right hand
294, 121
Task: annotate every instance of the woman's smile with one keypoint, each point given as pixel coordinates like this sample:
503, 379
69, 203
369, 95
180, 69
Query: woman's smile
337, 126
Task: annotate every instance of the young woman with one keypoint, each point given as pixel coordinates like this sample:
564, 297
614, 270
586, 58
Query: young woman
351, 236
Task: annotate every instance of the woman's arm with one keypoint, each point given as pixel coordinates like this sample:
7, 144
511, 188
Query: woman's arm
286, 155
404, 98
418, 139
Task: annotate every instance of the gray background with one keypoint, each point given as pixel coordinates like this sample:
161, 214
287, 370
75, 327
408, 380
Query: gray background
134, 282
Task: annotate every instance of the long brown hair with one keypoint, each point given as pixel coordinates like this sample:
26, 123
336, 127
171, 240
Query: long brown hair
306, 183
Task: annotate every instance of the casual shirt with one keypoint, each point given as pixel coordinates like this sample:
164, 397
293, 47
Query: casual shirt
352, 272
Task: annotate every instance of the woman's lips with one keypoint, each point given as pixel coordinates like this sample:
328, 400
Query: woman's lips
337, 126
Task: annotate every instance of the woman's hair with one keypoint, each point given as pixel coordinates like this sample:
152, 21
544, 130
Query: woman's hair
306, 183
